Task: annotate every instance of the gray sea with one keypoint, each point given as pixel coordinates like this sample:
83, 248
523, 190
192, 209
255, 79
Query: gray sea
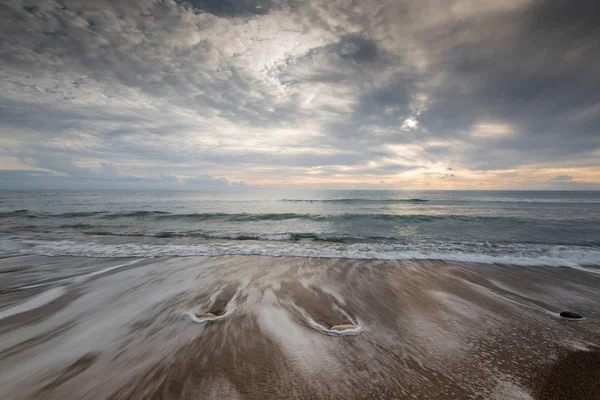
553, 228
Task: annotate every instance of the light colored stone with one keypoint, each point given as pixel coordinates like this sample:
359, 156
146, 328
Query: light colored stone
343, 327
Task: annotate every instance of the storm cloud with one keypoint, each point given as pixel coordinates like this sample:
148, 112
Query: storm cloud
238, 93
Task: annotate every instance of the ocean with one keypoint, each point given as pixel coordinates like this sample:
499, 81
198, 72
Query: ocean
552, 228
281, 295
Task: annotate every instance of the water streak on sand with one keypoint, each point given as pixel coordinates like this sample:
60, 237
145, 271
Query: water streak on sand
200, 319
84, 278
38, 301
429, 329
81, 278
55, 293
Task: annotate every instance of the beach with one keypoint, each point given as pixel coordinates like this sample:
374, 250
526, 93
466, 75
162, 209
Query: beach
299, 200
132, 328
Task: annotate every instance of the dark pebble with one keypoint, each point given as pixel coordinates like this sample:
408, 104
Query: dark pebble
570, 315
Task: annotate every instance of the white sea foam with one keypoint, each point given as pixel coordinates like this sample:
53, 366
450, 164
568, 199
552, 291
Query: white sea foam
507, 390
577, 257
356, 330
200, 319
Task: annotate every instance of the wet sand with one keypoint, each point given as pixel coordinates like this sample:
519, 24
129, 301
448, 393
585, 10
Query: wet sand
84, 328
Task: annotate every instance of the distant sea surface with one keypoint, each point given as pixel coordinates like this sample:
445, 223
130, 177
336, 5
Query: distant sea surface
546, 228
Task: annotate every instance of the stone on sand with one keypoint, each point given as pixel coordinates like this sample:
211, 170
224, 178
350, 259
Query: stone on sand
570, 315
343, 327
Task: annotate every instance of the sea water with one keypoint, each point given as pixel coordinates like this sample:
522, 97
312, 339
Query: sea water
553, 228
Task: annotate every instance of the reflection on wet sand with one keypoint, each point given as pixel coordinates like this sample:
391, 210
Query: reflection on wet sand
295, 328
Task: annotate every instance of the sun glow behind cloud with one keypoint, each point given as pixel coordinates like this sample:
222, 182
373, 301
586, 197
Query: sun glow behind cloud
492, 130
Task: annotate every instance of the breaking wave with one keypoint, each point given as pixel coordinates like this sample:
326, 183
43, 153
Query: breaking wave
580, 257
248, 217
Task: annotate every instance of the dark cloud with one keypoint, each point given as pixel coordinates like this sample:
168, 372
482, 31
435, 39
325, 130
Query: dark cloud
536, 76
358, 48
231, 8
102, 91
562, 178
448, 177
34, 179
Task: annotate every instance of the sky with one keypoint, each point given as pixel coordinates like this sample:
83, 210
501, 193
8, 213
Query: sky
315, 94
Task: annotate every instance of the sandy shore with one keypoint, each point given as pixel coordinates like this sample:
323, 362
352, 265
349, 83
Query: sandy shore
84, 328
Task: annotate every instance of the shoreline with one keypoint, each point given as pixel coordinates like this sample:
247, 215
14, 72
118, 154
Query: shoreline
262, 250
432, 329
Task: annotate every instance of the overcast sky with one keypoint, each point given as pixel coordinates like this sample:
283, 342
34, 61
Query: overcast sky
421, 94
